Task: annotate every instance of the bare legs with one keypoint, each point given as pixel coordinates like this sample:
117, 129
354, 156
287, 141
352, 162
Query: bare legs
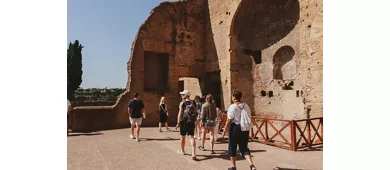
211, 128
182, 142
132, 130
249, 159
212, 137
193, 143
160, 124
233, 159
138, 130
166, 125
198, 128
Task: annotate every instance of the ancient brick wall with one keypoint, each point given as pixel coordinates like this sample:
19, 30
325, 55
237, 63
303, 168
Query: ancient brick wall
177, 29
269, 49
267, 44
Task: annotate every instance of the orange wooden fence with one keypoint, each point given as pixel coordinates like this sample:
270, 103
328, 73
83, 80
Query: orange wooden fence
288, 134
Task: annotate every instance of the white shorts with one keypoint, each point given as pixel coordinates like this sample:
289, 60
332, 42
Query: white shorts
136, 121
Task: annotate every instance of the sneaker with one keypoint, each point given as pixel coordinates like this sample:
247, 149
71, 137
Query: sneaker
201, 148
212, 152
180, 152
132, 137
137, 140
252, 167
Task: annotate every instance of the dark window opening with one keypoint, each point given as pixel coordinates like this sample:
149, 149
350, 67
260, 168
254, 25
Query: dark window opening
270, 94
297, 93
181, 85
256, 56
156, 71
263, 93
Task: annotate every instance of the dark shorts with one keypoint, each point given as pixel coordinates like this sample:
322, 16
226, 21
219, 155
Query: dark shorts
187, 129
240, 138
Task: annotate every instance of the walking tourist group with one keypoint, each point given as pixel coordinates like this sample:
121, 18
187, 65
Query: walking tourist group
202, 117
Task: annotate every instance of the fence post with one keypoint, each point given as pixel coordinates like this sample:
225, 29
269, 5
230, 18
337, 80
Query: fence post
309, 132
322, 132
293, 136
266, 129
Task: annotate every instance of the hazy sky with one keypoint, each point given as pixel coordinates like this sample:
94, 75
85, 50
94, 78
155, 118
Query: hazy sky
106, 29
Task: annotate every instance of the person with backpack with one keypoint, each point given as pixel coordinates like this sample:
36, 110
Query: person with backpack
208, 121
239, 124
186, 119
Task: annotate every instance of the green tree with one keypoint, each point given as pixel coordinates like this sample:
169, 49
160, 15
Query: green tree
75, 71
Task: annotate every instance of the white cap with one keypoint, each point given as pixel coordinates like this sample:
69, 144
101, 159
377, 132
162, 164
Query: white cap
185, 92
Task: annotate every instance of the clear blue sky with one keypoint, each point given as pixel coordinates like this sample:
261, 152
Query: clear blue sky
106, 29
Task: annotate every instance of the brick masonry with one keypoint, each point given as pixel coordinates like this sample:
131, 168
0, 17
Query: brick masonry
274, 46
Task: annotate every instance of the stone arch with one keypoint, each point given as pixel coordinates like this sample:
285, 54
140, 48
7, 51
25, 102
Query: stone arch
257, 25
282, 56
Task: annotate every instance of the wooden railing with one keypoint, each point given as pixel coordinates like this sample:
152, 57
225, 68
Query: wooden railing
288, 134
314, 132
266, 127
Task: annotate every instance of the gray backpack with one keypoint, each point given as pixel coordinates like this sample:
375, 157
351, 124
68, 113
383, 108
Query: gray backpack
189, 114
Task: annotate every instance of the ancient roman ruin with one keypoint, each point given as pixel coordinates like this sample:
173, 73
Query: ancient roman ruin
269, 49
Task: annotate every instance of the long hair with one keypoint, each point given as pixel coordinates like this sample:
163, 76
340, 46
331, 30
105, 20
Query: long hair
197, 98
209, 99
162, 101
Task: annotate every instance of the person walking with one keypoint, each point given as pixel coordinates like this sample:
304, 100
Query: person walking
186, 121
239, 125
208, 121
135, 110
163, 109
68, 117
218, 122
198, 125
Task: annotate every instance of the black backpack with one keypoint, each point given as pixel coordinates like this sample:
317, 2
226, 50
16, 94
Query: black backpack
189, 114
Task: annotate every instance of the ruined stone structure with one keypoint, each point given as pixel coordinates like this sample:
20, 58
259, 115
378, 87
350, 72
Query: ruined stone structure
269, 49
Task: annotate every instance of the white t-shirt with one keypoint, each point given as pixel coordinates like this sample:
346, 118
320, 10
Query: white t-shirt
234, 112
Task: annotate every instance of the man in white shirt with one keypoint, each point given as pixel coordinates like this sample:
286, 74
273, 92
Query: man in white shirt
236, 135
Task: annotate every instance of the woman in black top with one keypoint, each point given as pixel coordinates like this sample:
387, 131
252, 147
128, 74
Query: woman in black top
163, 114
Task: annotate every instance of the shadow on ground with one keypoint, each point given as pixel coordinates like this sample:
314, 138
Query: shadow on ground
317, 148
161, 139
279, 168
85, 134
223, 154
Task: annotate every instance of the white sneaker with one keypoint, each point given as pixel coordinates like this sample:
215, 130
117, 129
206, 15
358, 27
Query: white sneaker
180, 152
132, 137
137, 140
